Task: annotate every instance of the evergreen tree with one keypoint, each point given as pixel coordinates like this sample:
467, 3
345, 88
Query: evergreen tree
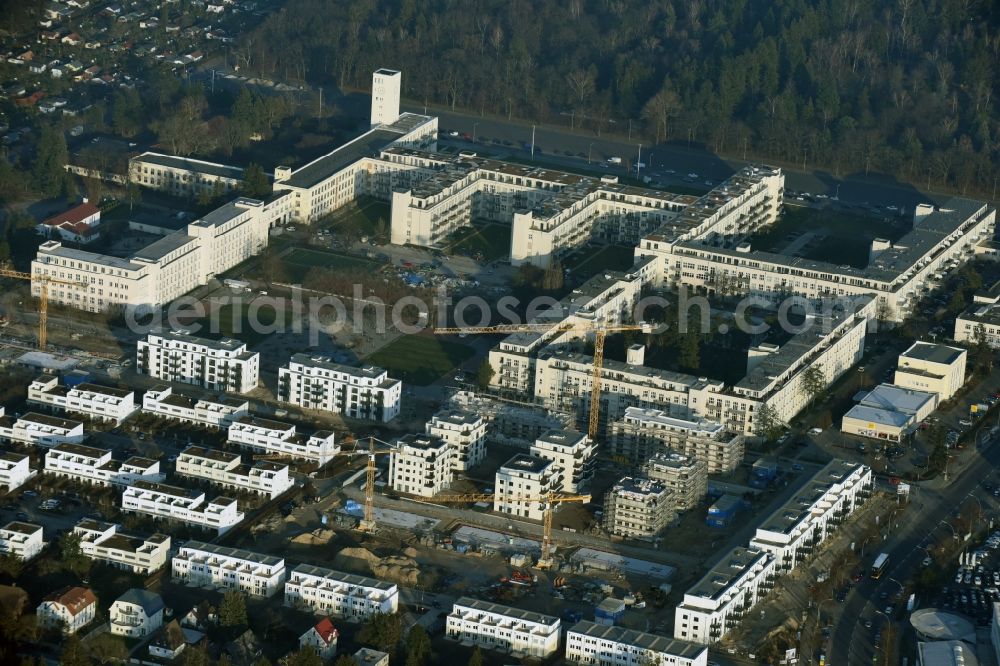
49, 171
255, 182
233, 609
476, 658
484, 375
418, 646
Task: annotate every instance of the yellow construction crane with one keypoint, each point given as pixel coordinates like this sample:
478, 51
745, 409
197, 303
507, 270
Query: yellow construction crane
549, 500
43, 297
600, 331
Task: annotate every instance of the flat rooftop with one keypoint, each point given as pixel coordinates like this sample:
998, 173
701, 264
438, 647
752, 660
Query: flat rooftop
898, 399
522, 462
235, 553
82, 255
188, 164
885, 417
346, 578
367, 145
53, 421
726, 570
313, 361
933, 353
506, 611
223, 344
671, 646
159, 249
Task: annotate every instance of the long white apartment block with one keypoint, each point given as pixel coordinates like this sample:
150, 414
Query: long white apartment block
421, 465
525, 477
183, 176
218, 365
275, 437
97, 402
226, 469
608, 298
181, 504
316, 382
218, 412
643, 432
15, 470
981, 321
88, 464
573, 452
685, 476
199, 564
168, 268
347, 596
796, 528
638, 508
465, 432
513, 631
21, 540
105, 542
719, 258
34, 429
590, 644
718, 602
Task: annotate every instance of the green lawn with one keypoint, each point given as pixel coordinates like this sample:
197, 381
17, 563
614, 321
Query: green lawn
840, 238
420, 359
493, 240
592, 260
299, 261
230, 323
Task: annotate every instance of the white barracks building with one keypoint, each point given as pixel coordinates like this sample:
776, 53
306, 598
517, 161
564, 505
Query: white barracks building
218, 365
275, 437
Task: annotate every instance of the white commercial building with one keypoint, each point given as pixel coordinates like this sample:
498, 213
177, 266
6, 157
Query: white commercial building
275, 437
889, 412
199, 564
69, 610
168, 268
105, 542
808, 519
590, 644
573, 452
353, 598
421, 465
316, 382
465, 432
97, 402
186, 506
21, 540
643, 432
218, 365
719, 259
934, 368
638, 508
685, 476
136, 614
183, 176
520, 633
14, 470
219, 412
228, 470
34, 429
718, 602
87, 464
525, 477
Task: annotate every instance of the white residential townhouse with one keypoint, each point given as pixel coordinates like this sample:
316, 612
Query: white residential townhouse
181, 504
275, 437
520, 633
347, 596
15, 470
96, 402
217, 365
590, 644
218, 412
421, 465
525, 477
316, 382
34, 429
199, 564
105, 542
228, 470
68, 610
465, 432
87, 464
136, 614
21, 540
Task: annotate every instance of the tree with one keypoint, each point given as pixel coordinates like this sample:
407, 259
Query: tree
484, 375
11, 565
767, 424
255, 183
418, 646
982, 352
107, 649
71, 556
195, 655
133, 194
51, 156
552, 280
382, 632
813, 383
73, 653
689, 356
233, 609
304, 657
345, 660
476, 658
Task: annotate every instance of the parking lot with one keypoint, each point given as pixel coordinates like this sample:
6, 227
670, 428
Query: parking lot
975, 586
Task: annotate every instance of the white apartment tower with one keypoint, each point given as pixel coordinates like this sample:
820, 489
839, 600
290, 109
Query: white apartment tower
465, 432
421, 465
316, 382
385, 96
523, 477
573, 452
218, 365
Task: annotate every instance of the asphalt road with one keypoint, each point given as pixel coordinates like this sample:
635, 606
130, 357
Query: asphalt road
851, 642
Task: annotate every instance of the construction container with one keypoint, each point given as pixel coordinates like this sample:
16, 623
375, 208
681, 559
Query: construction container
609, 612
724, 510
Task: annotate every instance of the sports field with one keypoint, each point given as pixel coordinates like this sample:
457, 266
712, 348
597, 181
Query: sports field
420, 359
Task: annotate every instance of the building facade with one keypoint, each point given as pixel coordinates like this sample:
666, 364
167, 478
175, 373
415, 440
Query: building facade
181, 504
86, 464
217, 365
575, 455
685, 476
21, 540
136, 614
183, 176
347, 596
934, 368
590, 644
219, 412
316, 382
105, 542
521, 481
14, 470
34, 429
199, 564
643, 432
638, 508
69, 610
275, 437
421, 465
513, 631
94, 401
228, 470
465, 432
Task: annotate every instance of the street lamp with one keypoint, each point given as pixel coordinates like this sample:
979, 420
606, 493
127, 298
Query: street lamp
474, 126
590, 149
887, 637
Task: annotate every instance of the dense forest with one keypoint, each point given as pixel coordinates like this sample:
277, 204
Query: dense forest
900, 86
